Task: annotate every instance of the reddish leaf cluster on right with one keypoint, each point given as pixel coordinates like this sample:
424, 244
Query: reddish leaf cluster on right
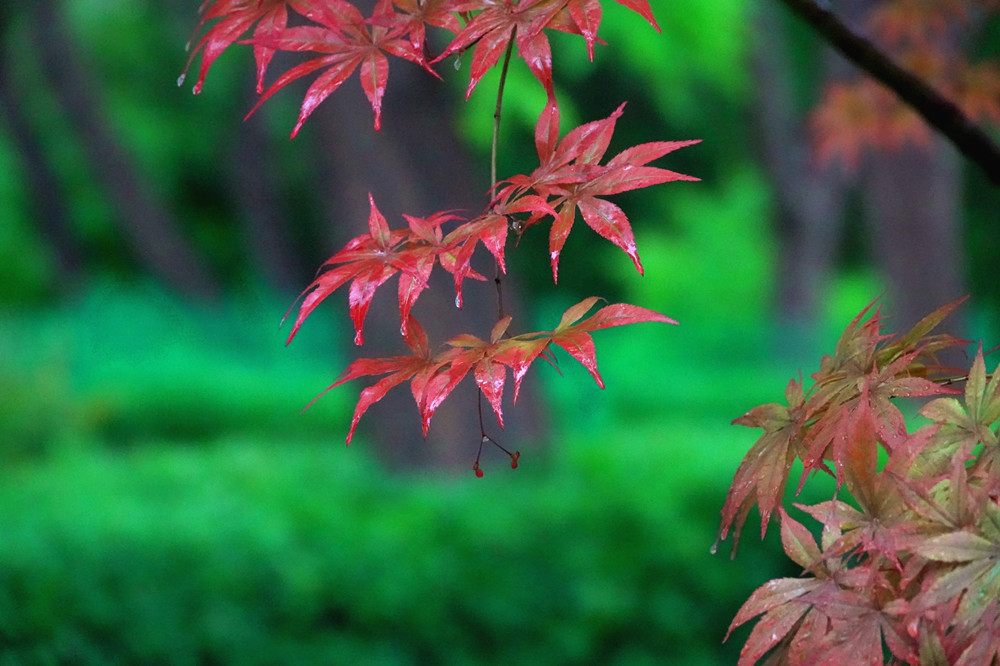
910, 572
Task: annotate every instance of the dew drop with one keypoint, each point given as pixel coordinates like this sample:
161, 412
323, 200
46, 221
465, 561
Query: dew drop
180, 80
715, 548
457, 63
458, 300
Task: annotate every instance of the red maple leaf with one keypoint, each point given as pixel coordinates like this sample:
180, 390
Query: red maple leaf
490, 229
371, 259
350, 43
570, 177
235, 17
434, 378
418, 368
497, 22
493, 28
417, 14
573, 333
828, 619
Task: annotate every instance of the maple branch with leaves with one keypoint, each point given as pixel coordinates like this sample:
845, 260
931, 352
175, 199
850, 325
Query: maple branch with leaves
570, 177
939, 111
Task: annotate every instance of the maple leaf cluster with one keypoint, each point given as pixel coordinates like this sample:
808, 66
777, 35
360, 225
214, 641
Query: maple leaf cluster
912, 567
348, 42
572, 176
920, 35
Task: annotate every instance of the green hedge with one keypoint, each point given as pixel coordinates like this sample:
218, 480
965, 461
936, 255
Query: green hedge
242, 553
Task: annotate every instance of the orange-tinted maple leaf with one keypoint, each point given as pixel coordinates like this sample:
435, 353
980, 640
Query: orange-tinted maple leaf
763, 473
977, 92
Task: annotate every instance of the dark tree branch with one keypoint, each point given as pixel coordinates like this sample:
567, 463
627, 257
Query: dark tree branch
939, 112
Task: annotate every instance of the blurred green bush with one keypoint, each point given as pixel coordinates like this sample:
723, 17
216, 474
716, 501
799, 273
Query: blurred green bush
245, 553
126, 364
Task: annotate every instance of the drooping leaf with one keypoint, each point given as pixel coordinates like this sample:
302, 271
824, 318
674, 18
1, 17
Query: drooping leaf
779, 602
417, 14
763, 473
798, 542
491, 230
491, 30
418, 368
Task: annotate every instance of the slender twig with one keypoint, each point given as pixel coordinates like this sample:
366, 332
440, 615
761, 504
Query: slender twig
938, 111
486, 438
496, 111
497, 278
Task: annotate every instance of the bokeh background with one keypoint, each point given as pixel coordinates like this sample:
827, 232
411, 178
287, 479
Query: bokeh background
163, 501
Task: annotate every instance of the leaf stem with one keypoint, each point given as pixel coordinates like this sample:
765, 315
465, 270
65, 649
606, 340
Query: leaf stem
497, 279
496, 111
486, 438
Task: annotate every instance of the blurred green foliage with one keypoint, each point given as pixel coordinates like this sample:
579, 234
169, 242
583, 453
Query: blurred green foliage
127, 364
237, 552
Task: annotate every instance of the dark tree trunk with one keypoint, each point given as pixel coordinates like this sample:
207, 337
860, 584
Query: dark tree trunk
40, 180
146, 224
255, 180
809, 197
912, 201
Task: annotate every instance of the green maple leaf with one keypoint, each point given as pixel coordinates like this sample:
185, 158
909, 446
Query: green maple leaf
965, 426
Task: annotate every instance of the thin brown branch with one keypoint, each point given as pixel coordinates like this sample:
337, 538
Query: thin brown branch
498, 279
938, 111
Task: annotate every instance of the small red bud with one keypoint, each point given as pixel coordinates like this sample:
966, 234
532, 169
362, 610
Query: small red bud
513, 459
478, 469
